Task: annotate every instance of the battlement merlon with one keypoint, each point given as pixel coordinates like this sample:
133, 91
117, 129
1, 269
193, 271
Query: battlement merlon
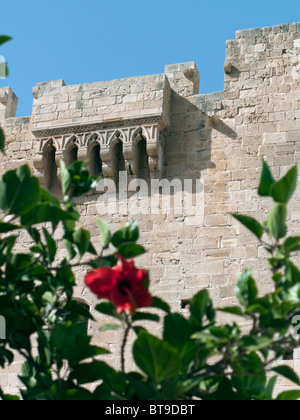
253, 47
8, 104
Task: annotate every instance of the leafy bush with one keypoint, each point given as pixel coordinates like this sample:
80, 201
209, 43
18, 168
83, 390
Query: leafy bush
36, 299
196, 357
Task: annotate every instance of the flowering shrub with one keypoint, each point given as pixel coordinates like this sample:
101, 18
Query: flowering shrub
196, 356
36, 289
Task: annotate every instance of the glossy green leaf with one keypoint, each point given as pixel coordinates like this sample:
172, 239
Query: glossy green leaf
66, 179
270, 388
277, 221
160, 304
283, 190
178, 332
253, 343
266, 182
19, 191
144, 316
131, 250
130, 233
291, 244
246, 290
43, 213
108, 308
233, 310
7, 227
81, 238
96, 371
288, 373
156, 358
110, 327
51, 245
253, 225
105, 233
289, 396
4, 39
200, 306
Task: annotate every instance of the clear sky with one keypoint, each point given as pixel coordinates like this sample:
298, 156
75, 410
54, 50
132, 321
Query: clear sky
84, 41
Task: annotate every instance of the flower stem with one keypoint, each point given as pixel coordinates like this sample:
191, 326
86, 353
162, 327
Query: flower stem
127, 331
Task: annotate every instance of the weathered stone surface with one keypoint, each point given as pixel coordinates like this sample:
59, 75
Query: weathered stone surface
218, 138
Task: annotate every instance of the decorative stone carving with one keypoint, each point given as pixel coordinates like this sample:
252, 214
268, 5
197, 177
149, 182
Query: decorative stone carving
65, 139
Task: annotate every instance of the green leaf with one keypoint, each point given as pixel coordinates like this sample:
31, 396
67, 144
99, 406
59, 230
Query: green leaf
7, 227
82, 239
270, 388
8, 397
144, 316
110, 261
288, 373
283, 190
254, 343
130, 233
277, 221
253, 225
97, 371
47, 197
200, 306
246, 290
160, 304
156, 358
291, 244
107, 308
216, 335
66, 178
289, 396
70, 248
257, 309
43, 213
77, 395
79, 309
4, 39
2, 140
131, 250
233, 310
51, 246
177, 332
19, 191
266, 182
105, 233
110, 327
71, 342
292, 274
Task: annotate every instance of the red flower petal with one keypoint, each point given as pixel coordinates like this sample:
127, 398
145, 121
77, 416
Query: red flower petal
100, 282
124, 285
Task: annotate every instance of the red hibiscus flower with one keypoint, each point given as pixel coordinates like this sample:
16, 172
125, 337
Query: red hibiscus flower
124, 285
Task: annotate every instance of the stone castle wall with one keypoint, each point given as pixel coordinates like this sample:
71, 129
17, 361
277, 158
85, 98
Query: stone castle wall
156, 127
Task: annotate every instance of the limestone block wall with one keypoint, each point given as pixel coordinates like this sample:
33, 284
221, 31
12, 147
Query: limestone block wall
216, 139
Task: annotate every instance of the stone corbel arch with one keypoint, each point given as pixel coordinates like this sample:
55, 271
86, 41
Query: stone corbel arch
133, 145
45, 163
113, 155
93, 146
153, 153
71, 150
140, 156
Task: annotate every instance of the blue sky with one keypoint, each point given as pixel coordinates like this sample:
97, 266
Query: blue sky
83, 41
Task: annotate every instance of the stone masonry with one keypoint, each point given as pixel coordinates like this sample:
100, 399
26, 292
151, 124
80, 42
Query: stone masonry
155, 127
